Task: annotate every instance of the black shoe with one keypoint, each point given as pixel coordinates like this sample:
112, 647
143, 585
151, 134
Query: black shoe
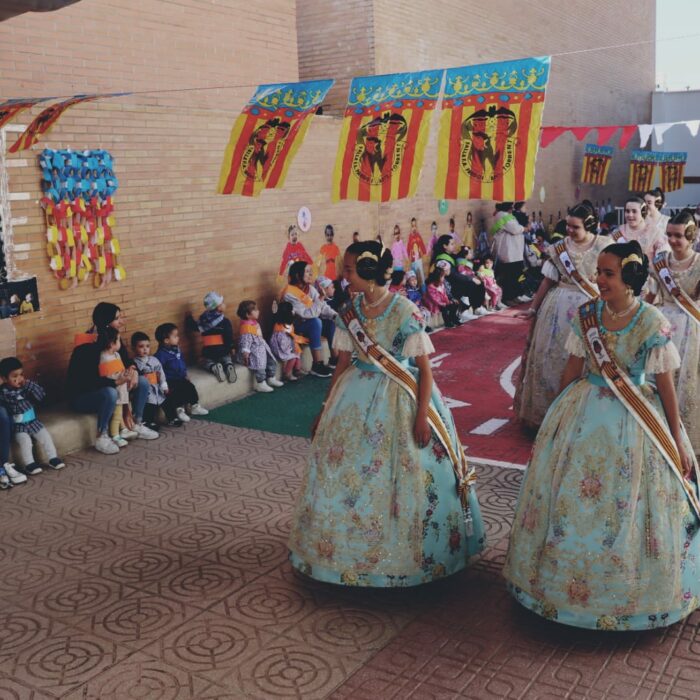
333, 362
175, 423
428, 329
30, 470
231, 375
320, 370
56, 463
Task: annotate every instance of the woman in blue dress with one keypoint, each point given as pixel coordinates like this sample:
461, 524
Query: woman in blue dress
378, 504
605, 529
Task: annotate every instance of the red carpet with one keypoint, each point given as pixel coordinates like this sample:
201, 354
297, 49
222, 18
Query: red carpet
470, 366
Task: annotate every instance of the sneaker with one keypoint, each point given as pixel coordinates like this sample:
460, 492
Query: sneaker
56, 463
290, 378
15, 476
30, 470
231, 374
152, 426
105, 445
218, 371
182, 415
146, 433
500, 306
198, 410
466, 316
262, 387
175, 423
320, 370
119, 441
481, 311
523, 298
4, 480
465, 301
333, 361
127, 434
273, 381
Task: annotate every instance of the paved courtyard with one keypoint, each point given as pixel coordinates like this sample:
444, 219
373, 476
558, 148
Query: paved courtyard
161, 574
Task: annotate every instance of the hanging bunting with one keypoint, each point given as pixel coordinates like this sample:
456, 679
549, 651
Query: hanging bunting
605, 133
267, 135
628, 132
11, 108
642, 169
489, 130
383, 136
672, 167
596, 164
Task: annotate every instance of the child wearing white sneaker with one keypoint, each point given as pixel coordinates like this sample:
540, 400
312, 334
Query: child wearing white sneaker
17, 394
149, 367
181, 391
285, 343
253, 351
217, 339
112, 367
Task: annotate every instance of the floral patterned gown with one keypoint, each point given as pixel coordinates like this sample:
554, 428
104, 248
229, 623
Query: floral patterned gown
603, 535
375, 509
545, 356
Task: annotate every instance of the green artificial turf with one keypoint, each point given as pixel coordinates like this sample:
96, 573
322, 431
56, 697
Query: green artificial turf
289, 410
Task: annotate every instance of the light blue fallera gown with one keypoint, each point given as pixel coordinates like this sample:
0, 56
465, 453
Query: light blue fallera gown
375, 509
603, 535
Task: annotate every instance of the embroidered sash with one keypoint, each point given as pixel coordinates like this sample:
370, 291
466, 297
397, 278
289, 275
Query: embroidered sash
632, 399
151, 377
574, 275
618, 236
251, 328
288, 328
216, 339
111, 367
393, 369
663, 273
301, 296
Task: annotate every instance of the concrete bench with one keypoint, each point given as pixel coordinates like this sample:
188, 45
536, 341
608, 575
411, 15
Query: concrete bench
76, 431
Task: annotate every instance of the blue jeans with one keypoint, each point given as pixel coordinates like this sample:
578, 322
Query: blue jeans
5, 433
139, 396
102, 402
314, 328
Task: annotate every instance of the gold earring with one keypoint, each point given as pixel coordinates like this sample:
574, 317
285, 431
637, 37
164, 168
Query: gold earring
371, 287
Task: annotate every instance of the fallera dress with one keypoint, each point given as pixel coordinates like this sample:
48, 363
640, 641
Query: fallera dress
374, 509
545, 357
603, 535
686, 337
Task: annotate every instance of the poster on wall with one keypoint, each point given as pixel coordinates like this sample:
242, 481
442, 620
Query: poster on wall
18, 298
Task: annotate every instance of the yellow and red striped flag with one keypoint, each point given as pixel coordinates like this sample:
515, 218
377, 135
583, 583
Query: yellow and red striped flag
642, 170
673, 170
267, 135
596, 164
489, 130
44, 121
11, 108
383, 137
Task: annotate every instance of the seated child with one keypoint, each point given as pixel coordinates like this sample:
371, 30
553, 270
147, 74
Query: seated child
253, 351
340, 294
182, 391
217, 339
149, 366
494, 293
112, 366
17, 395
396, 285
326, 288
285, 343
414, 294
435, 298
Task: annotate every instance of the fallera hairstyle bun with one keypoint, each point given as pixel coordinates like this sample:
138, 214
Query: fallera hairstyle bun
374, 262
686, 218
642, 204
635, 265
586, 212
658, 194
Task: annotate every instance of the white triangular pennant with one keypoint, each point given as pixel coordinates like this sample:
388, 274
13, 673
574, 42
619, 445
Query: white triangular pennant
693, 127
644, 134
660, 130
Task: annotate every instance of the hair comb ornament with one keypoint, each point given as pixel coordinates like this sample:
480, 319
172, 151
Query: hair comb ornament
367, 254
631, 258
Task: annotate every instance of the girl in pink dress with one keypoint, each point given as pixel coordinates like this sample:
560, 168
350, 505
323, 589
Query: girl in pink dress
493, 292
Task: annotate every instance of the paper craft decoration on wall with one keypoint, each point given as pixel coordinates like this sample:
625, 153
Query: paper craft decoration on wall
642, 169
489, 130
383, 136
267, 135
596, 164
79, 209
11, 108
672, 168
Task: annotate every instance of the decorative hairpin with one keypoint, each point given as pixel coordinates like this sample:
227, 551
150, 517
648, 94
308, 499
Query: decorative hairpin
367, 254
632, 258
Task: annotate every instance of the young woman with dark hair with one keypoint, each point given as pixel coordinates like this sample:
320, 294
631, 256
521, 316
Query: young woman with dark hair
463, 286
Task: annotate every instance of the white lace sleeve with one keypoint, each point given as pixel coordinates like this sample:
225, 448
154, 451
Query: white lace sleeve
662, 358
575, 346
417, 344
549, 270
342, 341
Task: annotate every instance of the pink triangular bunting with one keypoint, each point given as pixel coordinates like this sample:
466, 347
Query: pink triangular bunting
605, 133
550, 134
628, 132
580, 132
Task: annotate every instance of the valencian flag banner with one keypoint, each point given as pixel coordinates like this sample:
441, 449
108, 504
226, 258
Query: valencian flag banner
672, 167
383, 137
11, 108
642, 170
44, 121
596, 164
267, 135
489, 130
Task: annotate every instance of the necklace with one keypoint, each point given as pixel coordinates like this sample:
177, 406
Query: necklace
683, 262
620, 314
374, 304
